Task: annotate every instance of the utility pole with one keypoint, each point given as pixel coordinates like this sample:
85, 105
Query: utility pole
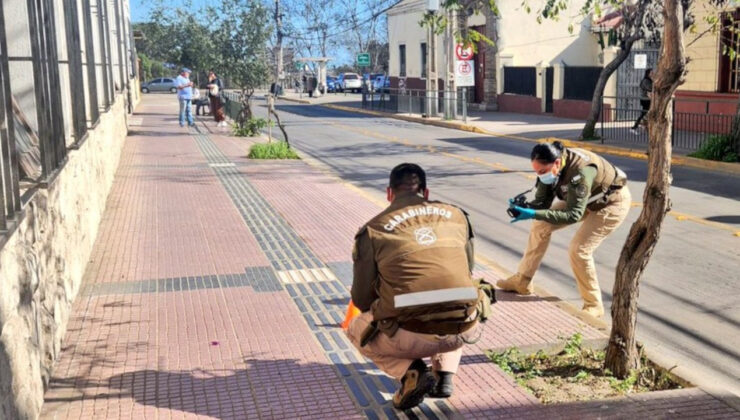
431, 93
450, 93
279, 58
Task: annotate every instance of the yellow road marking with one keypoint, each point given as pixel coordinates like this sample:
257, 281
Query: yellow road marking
503, 169
683, 217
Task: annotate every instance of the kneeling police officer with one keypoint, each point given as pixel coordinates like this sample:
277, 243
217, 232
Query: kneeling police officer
593, 191
413, 284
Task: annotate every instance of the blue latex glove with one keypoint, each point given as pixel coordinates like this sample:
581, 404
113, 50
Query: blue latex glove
524, 214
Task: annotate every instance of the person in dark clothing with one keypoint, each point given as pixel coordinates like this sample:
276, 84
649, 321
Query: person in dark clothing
214, 94
646, 90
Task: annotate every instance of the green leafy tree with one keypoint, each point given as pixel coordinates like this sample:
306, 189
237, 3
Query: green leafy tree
240, 46
674, 19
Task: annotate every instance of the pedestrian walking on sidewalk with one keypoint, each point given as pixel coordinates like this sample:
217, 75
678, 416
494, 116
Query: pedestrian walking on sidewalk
592, 191
646, 92
413, 284
185, 96
214, 94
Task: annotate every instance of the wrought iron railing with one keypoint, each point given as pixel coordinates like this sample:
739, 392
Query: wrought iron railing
34, 147
690, 129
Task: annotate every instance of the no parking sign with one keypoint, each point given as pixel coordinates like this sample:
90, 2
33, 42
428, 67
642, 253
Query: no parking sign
464, 73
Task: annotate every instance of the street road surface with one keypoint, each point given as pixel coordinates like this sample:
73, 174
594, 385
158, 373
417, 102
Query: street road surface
690, 292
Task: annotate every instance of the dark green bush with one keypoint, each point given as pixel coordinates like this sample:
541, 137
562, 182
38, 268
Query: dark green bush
717, 147
251, 128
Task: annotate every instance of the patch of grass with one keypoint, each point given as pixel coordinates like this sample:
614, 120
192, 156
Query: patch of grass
251, 127
717, 147
274, 150
577, 373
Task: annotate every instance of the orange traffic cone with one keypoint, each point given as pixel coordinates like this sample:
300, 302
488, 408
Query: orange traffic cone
352, 312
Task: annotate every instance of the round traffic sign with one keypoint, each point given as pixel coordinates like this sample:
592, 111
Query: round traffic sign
464, 53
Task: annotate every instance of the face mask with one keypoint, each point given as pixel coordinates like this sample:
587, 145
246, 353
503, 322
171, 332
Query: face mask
548, 178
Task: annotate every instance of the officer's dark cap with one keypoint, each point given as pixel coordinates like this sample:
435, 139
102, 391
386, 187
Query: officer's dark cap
408, 175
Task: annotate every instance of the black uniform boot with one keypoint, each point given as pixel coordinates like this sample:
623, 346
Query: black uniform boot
443, 388
415, 384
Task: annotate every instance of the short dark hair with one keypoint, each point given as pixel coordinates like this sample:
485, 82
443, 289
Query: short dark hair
408, 177
547, 152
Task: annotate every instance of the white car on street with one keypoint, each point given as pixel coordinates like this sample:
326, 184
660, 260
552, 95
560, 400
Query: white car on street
351, 82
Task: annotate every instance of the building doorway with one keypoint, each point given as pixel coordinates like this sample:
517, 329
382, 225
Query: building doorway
479, 61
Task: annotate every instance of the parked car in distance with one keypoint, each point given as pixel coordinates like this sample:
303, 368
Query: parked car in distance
351, 82
381, 83
159, 85
339, 82
331, 84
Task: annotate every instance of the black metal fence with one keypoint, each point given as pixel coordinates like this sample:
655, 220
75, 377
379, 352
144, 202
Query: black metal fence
79, 51
690, 129
579, 82
520, 80
415, 101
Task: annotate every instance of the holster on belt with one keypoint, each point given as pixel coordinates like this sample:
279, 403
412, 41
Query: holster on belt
370, 333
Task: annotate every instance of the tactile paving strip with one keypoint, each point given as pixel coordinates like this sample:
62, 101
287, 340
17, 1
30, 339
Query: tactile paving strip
261, 279
317, 292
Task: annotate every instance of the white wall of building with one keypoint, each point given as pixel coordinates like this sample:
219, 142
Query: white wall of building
521, 40
524, 42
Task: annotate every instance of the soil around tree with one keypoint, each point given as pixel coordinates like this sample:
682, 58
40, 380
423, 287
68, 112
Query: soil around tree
578, 374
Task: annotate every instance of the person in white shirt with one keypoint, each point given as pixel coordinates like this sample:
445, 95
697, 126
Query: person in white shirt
185, 96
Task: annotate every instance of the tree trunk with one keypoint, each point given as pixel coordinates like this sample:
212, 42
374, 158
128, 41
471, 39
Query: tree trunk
621, 354
589, 129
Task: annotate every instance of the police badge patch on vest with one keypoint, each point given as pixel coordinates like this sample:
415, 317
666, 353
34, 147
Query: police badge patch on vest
425, 236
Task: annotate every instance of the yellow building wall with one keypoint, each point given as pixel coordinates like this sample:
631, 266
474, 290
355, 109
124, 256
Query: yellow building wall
703, 52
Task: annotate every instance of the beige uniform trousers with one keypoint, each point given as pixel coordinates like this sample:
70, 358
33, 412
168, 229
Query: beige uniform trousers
394, 355
595, 227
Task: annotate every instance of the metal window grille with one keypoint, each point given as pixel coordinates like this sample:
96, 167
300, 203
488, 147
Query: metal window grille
92, 73
734, 34
46, 82
74, 53
38, 151
520, 80
10, 199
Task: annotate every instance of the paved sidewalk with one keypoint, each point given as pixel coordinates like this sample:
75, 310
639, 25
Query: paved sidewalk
217, 285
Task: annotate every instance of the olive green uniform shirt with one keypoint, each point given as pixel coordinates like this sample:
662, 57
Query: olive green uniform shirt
366, 274
579, 191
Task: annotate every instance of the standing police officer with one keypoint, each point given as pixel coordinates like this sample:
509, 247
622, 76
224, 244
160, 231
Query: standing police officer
412, 281
593, 191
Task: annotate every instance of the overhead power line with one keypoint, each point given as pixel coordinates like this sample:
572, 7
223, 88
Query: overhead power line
345, 30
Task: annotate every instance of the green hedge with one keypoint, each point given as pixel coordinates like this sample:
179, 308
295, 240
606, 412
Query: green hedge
718, 147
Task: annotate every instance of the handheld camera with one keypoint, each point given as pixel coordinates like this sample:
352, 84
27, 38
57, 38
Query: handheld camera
521, 201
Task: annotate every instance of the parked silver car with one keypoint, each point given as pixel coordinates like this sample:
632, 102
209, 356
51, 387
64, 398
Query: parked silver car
159, 85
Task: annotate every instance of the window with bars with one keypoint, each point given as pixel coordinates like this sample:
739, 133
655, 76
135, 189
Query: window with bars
729, 77
402, 60
423, 60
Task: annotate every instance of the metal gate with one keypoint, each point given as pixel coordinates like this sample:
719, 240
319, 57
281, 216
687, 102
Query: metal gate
628, 80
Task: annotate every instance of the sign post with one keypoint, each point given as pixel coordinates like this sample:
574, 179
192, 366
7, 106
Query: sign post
363, 60
464, 73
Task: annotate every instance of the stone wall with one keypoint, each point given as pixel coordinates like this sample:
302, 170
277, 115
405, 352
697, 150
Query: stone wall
43, 261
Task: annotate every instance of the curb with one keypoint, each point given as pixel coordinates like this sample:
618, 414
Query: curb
298, 101
726, 167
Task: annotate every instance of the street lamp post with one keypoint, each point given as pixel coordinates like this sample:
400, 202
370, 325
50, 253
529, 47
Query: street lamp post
431, 85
